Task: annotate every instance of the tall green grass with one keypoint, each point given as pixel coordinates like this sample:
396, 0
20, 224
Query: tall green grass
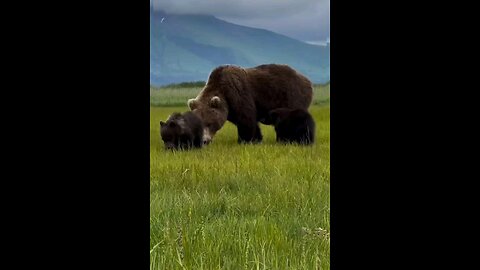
231, 206
321, 94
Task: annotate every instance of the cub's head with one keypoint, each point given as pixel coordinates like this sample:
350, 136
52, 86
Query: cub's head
213, 112
172, 130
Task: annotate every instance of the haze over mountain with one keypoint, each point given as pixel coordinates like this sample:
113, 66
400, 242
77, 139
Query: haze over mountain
187, 47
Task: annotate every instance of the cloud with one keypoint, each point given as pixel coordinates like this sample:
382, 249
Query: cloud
301, 19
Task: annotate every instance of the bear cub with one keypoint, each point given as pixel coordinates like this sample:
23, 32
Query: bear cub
293, 125
182, 131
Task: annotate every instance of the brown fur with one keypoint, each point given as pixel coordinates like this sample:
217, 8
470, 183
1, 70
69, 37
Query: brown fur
182, 131
293, 126
246, 95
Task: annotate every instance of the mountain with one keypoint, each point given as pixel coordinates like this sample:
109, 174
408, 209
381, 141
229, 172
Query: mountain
187, 47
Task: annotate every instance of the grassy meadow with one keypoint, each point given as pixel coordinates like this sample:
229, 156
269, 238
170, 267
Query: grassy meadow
231, 206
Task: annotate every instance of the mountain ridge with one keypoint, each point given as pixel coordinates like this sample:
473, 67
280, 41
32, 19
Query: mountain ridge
187, 47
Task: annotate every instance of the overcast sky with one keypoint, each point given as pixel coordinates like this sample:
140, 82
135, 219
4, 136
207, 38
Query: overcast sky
307, 20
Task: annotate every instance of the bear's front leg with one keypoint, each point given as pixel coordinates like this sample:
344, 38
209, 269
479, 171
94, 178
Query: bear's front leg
258, 134
249, 133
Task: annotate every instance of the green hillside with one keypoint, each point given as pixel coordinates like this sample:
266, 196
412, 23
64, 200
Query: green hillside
188, 47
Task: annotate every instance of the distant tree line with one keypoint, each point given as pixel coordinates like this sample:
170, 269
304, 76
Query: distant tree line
182, 85
322, 84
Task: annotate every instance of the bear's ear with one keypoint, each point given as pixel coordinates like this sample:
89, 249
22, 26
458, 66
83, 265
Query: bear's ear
215, 102
192, 104
162, 123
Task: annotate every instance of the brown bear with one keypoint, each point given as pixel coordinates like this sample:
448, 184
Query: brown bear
244, 96
182, 131
293, 126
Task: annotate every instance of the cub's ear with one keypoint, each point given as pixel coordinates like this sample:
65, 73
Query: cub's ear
162, 123
192, 104
215, 102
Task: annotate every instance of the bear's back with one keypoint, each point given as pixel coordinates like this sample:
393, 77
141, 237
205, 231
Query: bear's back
280, 86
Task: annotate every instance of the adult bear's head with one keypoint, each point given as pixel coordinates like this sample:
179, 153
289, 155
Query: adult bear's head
213, 111
212, 104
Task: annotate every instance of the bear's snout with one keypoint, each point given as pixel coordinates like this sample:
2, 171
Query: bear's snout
207, 137
206, 140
